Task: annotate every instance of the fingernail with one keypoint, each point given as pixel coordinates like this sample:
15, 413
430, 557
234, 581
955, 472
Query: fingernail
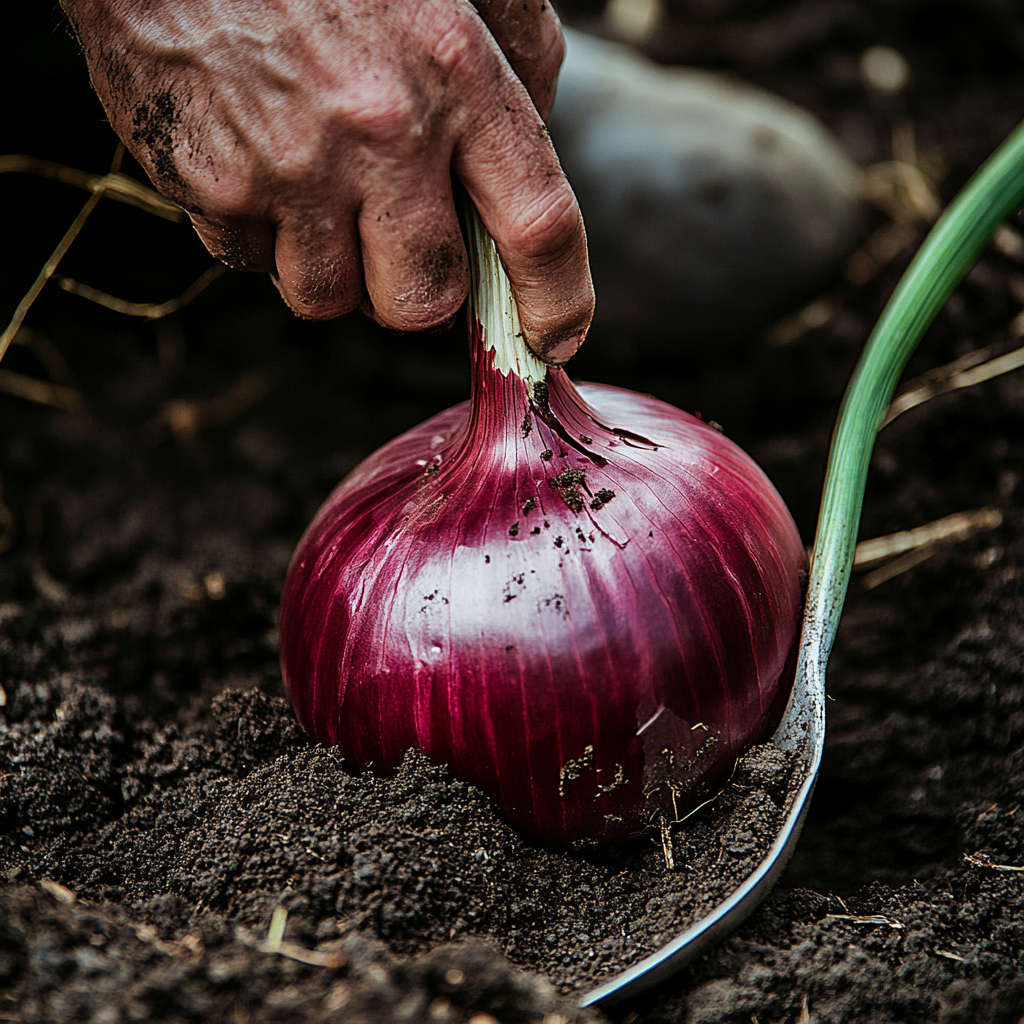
561, 351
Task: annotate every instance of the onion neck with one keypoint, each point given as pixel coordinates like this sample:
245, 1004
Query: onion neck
493, 307
513, 391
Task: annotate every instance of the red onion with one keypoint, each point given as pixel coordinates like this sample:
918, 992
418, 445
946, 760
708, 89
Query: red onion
582, 600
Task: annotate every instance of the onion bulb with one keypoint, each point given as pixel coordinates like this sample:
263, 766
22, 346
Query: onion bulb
583, 600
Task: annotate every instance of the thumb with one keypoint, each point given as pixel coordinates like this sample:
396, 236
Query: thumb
512, 174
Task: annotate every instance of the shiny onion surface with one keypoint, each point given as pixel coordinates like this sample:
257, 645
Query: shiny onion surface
583, 600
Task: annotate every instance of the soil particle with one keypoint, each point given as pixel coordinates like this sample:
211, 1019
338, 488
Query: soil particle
236, 248
438, 264
568, 484
154, 122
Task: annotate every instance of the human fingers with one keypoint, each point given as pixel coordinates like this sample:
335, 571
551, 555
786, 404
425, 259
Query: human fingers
512, 174
530, 36
318, 269
242, 243
414, 258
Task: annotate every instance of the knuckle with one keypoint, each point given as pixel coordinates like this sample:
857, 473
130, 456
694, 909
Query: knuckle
226, 199
545, 228
323, 310
456, 39
385, 111
419, 318
412, 312
424, 286
297, 164
319, 293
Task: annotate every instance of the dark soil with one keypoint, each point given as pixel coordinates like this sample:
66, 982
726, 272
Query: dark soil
218, 828
157, 800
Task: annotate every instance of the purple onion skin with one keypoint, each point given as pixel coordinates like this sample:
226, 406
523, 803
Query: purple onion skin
594, 666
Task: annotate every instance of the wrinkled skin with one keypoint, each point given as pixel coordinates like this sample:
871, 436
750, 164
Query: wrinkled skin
315, 140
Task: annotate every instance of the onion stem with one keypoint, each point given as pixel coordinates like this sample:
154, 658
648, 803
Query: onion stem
948, 252
494, 306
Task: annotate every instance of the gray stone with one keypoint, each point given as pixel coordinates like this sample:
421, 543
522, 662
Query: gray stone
712, 207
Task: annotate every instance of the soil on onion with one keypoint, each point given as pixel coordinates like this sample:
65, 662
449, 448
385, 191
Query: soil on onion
158, 802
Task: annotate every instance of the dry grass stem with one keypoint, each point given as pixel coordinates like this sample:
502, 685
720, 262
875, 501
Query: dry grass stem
247, 390
956, 527
62, 394
312, 957
149, 310
46, 586
55, 257
115, 184
41, 391
866, 919
275, 933
275, 943
897, 567
190, 947
964, 372
61, 893
48, 354
979, 860
187, 416
878, 251
814, 315
900, 190
667, 849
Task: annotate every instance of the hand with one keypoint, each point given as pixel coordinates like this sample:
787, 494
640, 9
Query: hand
315, 140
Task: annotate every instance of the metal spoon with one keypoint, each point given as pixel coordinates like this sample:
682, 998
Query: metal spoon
949, 251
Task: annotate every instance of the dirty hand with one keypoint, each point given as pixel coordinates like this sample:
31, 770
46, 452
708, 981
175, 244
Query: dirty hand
315, 140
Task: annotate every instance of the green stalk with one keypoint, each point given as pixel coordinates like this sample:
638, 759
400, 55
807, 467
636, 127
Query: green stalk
949, 251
